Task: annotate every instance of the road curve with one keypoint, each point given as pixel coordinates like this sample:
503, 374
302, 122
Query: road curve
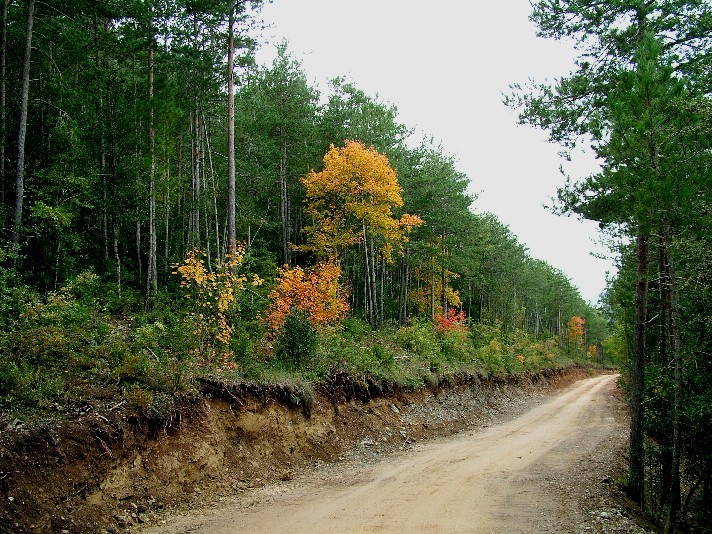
495, 479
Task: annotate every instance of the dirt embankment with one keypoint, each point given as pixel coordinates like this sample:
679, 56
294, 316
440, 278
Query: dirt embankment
106, 471
536, 472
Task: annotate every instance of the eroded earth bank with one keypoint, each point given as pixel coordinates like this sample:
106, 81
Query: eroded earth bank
537, 453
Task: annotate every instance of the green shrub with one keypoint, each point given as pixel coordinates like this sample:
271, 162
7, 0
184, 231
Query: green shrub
10, 377
28, 385
483, 334
420, 338
134, 368
85, 288
12, 295
492, 357
384, 357
456, 345
243, 348
355, 327
296, 343
57, 331
127, 302
149, 336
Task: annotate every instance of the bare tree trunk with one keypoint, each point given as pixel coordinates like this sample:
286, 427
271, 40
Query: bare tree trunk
113, 217
374, 294
231, 232
19, 182
637, 374
194, 222
403, 299
664, 441
675, 344
167, 213
203, 193
182, 197
284, 197
368, 303
370, 279
138, 243
117, 259
102, 146
152, 271
3, 65
443, 276
432, 288
206, 227
382, 312
218, 249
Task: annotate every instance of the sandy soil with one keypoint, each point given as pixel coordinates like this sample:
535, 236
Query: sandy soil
533, 473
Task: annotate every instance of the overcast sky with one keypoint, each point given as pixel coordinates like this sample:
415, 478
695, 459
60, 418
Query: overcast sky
445, 65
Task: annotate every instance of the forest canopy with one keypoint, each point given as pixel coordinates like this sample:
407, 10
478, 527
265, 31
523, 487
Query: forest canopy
123, 167
173, 211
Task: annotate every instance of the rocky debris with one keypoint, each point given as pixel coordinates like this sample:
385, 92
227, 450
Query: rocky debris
610, 520
15, 424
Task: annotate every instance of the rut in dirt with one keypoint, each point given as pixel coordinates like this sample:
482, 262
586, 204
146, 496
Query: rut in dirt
490, 480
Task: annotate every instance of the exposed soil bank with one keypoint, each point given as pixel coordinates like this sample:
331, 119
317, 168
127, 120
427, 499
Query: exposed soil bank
105, 470
540, 471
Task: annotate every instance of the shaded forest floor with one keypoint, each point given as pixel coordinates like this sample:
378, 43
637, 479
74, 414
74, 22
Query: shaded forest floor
104, 469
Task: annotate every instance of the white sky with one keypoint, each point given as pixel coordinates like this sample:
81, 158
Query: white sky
445, 65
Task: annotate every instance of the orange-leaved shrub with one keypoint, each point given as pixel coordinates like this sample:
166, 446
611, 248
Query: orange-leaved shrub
315, 291
455, 320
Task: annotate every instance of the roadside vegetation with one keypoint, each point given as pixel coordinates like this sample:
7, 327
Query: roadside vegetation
60, 349
179, 213
639, 96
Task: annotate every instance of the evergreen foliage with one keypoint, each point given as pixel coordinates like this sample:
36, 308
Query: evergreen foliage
640, 95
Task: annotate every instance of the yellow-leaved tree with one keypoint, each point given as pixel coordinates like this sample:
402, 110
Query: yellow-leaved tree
576, 333
212, 294
351, 203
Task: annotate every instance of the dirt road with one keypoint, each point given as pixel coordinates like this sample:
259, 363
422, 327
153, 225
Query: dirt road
518, 476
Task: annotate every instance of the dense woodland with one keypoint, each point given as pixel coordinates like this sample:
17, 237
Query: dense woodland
124, 111
640, 95
169, 208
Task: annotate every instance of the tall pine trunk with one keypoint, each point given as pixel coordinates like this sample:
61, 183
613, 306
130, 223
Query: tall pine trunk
101, 144
637, 374
117, 257
675, 345
371, 298
231, 232
22, 131
194, 220
664, 440
284, 197
443, 276
3, 65
152, 271
404, 286
219, 250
